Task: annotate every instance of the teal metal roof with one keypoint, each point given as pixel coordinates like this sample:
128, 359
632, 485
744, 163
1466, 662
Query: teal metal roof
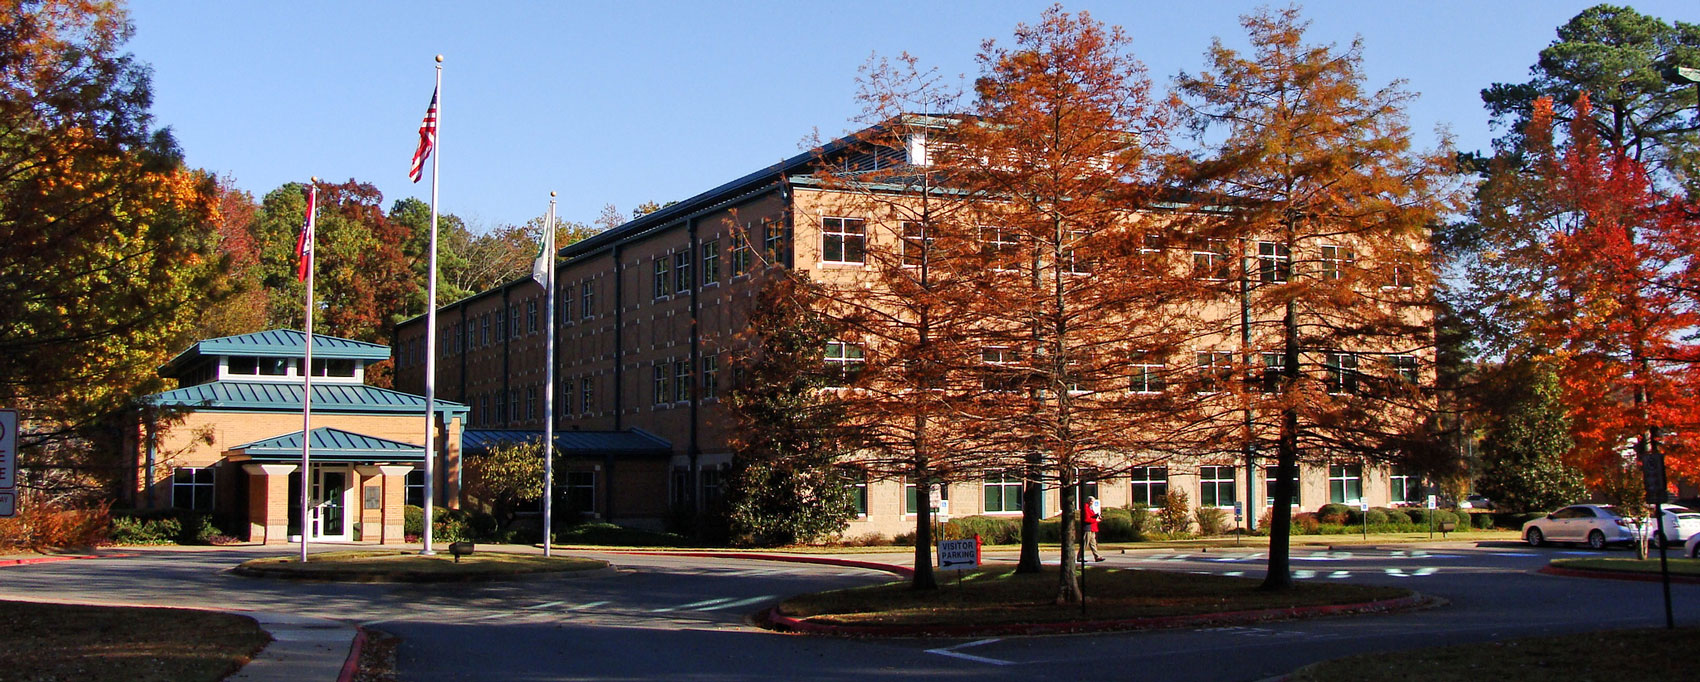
632, 443
266, 396
333, 445
279, 343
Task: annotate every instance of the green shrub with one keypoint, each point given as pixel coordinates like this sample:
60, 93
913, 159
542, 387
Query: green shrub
413, 520
1175, 517
1306, 523
132, 530
993, 530
1142, 524
1515, 520
1418, 515
164, 527
1336, 514
603, 533
1212, 521
1482, 521
1049, 530
1381, 516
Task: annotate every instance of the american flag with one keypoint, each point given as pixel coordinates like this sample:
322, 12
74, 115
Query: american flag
427, 140
304, 246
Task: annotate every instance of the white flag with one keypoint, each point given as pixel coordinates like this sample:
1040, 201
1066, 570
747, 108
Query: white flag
545, 256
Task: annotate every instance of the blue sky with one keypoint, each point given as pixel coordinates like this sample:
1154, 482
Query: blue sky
625, 102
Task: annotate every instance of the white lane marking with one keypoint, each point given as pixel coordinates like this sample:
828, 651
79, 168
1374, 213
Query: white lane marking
1339, 574
692, 605
1426, 570
1397, 573
1304, 574
1234, 574
952, 652
546, 604
590, 605
493, 616
736, 604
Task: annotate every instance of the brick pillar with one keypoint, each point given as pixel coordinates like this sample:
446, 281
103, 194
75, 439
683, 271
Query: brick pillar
395, 501
268, 502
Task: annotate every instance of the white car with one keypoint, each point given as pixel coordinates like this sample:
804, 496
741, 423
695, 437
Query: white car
1692, 548
1680, 522
1594, 524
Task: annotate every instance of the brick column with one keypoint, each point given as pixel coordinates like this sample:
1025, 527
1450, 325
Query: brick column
268, 502
395, 502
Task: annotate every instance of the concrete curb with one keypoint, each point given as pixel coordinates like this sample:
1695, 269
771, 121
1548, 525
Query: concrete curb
355, 648
1617, 575
774, 618
64, 557
903, 571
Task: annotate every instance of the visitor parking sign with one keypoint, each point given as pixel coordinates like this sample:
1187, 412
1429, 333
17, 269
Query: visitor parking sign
8, 449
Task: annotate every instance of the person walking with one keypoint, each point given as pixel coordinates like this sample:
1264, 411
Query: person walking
1090, 517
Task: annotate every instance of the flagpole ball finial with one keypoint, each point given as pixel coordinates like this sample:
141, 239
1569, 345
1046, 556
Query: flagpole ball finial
439, 59
551, 195
314, 179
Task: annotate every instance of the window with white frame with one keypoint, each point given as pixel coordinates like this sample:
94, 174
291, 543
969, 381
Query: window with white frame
192, 488
274, 367
859, 489
484, 329
578, 492
844, 362
501, 408
1150, 485
712, 484
414, 487
1002, 371
1404, 367
1210, 259
471, 335
1342, 373
1335, 261
1215, 370
1345, 483
682, 272
531, 402
659, 373
1216, 486
710, 377
1274, 262
663, 276
1002, 492
1402, 275
681, 381
773, 240
1001, 247
843, 240
1075, 259
1405, 485
587, 395
916, 243
911, 498
742, 254
1270, 477
587, 300
531, 316
1274, 365
1147, 372
501, 330
711, 262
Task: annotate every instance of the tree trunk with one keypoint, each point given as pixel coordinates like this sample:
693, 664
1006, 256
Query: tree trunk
1279, 575
924, 576
1032, 509
1068, 578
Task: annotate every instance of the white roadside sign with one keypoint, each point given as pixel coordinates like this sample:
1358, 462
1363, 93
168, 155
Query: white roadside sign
8, 449
959, 554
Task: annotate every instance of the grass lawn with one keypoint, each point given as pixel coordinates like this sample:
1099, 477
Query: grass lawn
1002, 596
129, 644
1690, 567
403, 566
1655, 655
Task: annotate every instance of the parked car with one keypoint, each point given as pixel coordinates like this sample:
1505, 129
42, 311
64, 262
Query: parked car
1680, 523
1594, 524
1475, 501
1692, 548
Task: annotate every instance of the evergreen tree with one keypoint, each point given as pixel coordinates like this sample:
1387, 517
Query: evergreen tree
1522, 452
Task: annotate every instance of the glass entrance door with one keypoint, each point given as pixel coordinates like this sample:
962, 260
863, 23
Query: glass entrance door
330, 488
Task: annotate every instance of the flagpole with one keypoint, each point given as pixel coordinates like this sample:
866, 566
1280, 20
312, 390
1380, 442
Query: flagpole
549, 381
431, 327
307, 370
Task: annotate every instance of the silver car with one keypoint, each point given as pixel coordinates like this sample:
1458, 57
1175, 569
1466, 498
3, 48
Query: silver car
1595, 524
1680, 524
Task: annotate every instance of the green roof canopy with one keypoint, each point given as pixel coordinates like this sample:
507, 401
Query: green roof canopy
277, 343
286, 397
333, 445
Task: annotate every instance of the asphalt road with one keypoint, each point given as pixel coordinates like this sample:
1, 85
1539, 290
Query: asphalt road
684, 618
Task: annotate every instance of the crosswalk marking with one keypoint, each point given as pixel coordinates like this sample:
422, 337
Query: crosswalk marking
736, 604
692, 605
590, 605
546, 604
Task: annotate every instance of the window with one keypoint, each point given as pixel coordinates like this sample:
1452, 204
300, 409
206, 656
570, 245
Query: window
1150, 485
1405, 486
682, 272
273, 367
711, 484
941, 501
711, 261
773, 237
586, 300
1001, 247
1214, 371
1274, 365
659, 372
843, 240
192, 488
515, 326
916, 244
1002, 373
334, 367
586, 395
564, 397
844, 362
1335, 261
471, 335
565, 296
859, 489
501, 408
514, 405
710, 377
1345, 483
663, 277
1147, 373
741, 255
1274, 262
531, 316
1216, 486
531, 403
1074, 260
1402, 275
1342, 373
1210, 259
501, 324
578, 492
484, 329
415, 488
1003, 492
1269, 479
1404, 367
682, 381
242, 364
